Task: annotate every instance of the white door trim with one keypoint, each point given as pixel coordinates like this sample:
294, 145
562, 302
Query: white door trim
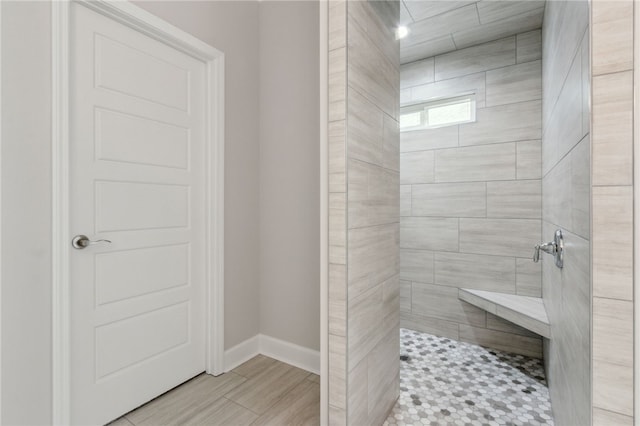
136, 18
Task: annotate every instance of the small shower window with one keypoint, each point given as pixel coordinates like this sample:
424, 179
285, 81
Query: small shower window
439, 113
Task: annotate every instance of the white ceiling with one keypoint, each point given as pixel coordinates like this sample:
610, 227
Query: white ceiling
440, 26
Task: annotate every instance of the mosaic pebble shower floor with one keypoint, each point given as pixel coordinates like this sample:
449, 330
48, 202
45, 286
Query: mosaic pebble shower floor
446, 382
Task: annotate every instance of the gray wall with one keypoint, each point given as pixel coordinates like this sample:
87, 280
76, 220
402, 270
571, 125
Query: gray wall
217, 23
471, 193
566, 205
26, 213
234, 28
289, 170
363, 211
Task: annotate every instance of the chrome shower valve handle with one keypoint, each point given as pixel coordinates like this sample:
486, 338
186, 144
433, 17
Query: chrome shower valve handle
554, 248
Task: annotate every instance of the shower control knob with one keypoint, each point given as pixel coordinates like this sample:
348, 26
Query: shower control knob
554, 248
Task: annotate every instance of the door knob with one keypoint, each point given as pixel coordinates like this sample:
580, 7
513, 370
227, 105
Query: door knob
82, 241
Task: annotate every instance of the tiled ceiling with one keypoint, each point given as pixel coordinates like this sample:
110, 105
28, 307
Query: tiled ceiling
441, 26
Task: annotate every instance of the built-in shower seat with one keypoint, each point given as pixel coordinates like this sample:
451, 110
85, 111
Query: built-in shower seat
527, 312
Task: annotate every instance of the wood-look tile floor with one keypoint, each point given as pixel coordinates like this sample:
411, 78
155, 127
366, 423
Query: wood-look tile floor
262, 391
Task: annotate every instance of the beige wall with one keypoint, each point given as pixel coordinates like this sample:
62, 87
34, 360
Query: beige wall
289, 170
232, 27
566, 205
363, 211
612, 203
470, 194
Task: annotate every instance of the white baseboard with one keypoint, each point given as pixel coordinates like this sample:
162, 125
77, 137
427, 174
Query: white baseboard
241, 353
289, 353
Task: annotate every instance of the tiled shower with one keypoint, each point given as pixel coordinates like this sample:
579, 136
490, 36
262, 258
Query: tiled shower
547, 148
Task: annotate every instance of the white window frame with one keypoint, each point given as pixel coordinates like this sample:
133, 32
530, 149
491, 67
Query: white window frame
423, 107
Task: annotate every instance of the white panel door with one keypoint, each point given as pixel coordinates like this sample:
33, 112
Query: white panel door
137, 131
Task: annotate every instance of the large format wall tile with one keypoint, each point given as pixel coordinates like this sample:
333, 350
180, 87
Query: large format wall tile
488, 170
613, 242
428, 233
422, 140
478, 163
503, 123
442, 302
514, 199
508, 342
499, 237
566, 191
517, 83
480, 272
484, 57
612, 50
449, 200
365, 294
613, 129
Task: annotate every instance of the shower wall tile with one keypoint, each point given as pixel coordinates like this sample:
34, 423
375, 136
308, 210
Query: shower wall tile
483, 57
564, 128
613, 129
427, 233
422, 140
566, 205
517, 83
417, 73
613, 242
405, 200
337, 24
442, 302
337, 371
415, 52
499, 237
478, 163
364, 197
429, 325
507, 342
514, 199
337, 157
503, 123
365, 323
370, 72
612, 50
452, 87
613, 387
528, 278
405, 296
365, 129
337, 228
527, 21
338, 300
499, 324
581, 188
487, 170
529, 159
608, 418
529, 46
390, 144
373, 195
373, 257
416, 265
449, 200
416, 167
476, 271
337, 84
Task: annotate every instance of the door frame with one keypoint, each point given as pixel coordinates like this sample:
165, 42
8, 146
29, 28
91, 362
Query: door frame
138, 19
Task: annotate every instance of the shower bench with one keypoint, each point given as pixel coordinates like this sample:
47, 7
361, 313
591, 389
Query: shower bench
527, 312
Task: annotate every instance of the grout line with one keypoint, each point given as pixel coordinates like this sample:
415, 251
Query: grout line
236, 402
